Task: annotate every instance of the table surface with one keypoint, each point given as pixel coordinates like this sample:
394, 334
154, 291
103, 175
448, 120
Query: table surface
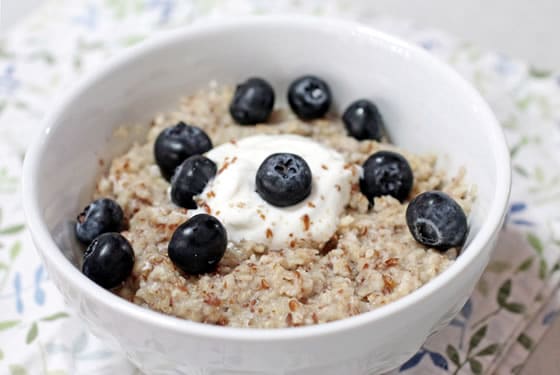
545, 358
508, 26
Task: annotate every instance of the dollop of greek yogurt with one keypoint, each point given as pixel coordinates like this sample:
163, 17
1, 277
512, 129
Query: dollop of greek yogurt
232, 198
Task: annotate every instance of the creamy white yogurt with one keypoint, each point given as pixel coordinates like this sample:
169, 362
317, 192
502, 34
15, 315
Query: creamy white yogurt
232, 198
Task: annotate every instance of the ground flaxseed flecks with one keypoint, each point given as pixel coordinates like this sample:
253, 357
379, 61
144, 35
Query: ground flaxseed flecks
371, 260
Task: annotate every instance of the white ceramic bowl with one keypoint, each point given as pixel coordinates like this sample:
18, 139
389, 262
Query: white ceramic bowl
427, 108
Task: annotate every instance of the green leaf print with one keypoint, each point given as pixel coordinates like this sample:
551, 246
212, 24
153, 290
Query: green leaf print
539, 73
526, 264
510, 123
7, 324
477, 337
32, 333
489, 350
131, 40
476, 366
504, 292
118, 7
77, 63
15, 250
518, 146
539, 175
453, 355
20, 104
13, 229
503, 296
523, 103
536, 243
4, 52
515, 308
520, 170
1, 355
8, 184
17, 370
525, 341
58, 315
543, 267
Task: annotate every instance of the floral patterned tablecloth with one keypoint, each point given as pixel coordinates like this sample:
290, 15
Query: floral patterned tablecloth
496, 330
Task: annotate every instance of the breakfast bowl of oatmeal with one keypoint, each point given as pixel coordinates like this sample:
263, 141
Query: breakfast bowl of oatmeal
268, 195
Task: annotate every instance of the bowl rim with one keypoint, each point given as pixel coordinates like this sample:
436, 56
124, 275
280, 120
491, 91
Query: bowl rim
48, 248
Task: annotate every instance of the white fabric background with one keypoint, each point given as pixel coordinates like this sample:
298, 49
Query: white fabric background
521, 28
525, 29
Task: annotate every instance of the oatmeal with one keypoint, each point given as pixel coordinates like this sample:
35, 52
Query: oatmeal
277, 275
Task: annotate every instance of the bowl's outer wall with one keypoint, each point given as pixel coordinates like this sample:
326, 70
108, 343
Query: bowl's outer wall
369, 349
424, 110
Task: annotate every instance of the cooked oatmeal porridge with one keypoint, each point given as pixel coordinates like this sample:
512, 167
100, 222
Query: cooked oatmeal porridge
348, 258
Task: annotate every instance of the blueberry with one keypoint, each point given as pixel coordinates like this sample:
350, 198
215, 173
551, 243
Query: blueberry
100, 216
190, 179
252, 102
436, 220
176, 143
283, 179
108, 260
363, 120
386, 173
198, 245
309, 97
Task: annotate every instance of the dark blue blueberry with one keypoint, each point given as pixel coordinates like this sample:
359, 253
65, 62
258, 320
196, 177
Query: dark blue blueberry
108, 260
198, 245
363, 120
436, 220
386, 173
190, 179
100, 216
309, 97
252, 102
174, 144
283, 179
